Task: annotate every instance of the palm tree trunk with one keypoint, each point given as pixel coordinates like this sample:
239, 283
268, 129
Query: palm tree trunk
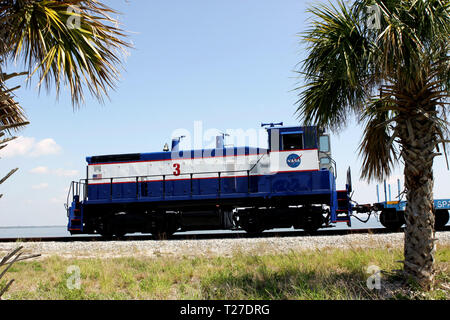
419, 141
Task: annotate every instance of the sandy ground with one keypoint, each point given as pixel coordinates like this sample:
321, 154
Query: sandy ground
211, 247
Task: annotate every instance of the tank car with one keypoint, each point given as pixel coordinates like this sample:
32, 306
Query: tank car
292, 183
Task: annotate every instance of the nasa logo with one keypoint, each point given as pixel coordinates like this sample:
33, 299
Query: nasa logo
294, 160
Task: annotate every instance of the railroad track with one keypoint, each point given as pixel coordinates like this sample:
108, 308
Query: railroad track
219, 235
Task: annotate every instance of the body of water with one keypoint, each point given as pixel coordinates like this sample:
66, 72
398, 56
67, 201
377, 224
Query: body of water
61, 231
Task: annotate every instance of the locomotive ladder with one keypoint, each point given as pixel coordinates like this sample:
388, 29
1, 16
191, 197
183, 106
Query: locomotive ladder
74, 212
343, 208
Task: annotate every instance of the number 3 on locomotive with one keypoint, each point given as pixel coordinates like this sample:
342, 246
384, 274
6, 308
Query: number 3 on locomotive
176, 172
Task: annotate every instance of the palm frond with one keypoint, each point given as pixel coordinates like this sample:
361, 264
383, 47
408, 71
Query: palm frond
337, 70
410, 31
75, 43
12, 116
377, 146
348, 61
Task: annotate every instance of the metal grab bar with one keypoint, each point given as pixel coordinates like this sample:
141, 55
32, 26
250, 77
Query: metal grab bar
139, 179
167, 175
74, 190
66, 205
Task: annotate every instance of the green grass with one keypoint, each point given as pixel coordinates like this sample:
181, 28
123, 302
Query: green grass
326, 274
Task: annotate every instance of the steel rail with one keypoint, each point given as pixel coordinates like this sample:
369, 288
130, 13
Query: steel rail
219, 235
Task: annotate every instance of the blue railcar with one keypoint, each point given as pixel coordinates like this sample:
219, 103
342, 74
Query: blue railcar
290, 184
392, 212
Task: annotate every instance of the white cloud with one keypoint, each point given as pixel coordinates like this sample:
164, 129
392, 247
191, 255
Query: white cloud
27, 146
18, 147
40, 186
57, 172
40, 170
65, 172
45, 147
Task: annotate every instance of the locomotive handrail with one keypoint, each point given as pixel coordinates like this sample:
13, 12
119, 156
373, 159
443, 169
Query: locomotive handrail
74, 190
66, 205
256, 163
333, 162
166, 175
85, 182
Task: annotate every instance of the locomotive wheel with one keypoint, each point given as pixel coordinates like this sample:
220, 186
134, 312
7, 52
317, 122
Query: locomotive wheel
159, 235
311, 229
106, 230
110, 229
391, 219
440, 219
254, 230
119, 234
164, 233
312, 220
109, 235
250, 221
164, 229
253, 226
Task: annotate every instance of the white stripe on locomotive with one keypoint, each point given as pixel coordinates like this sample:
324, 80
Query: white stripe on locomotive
178, 169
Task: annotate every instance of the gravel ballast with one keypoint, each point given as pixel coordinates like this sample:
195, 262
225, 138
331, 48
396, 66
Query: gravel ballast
211, 247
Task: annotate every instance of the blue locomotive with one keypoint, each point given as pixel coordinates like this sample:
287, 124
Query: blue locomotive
290, 184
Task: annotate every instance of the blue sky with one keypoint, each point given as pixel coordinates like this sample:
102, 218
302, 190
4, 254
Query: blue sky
229, 64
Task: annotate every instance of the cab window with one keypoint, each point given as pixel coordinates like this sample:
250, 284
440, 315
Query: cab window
292, 141
310, 138
324, 142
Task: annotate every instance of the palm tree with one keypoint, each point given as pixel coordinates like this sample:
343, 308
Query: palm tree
71, 42
386, 62
65, 42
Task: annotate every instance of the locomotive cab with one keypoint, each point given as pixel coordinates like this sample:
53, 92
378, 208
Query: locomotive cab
283, 140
